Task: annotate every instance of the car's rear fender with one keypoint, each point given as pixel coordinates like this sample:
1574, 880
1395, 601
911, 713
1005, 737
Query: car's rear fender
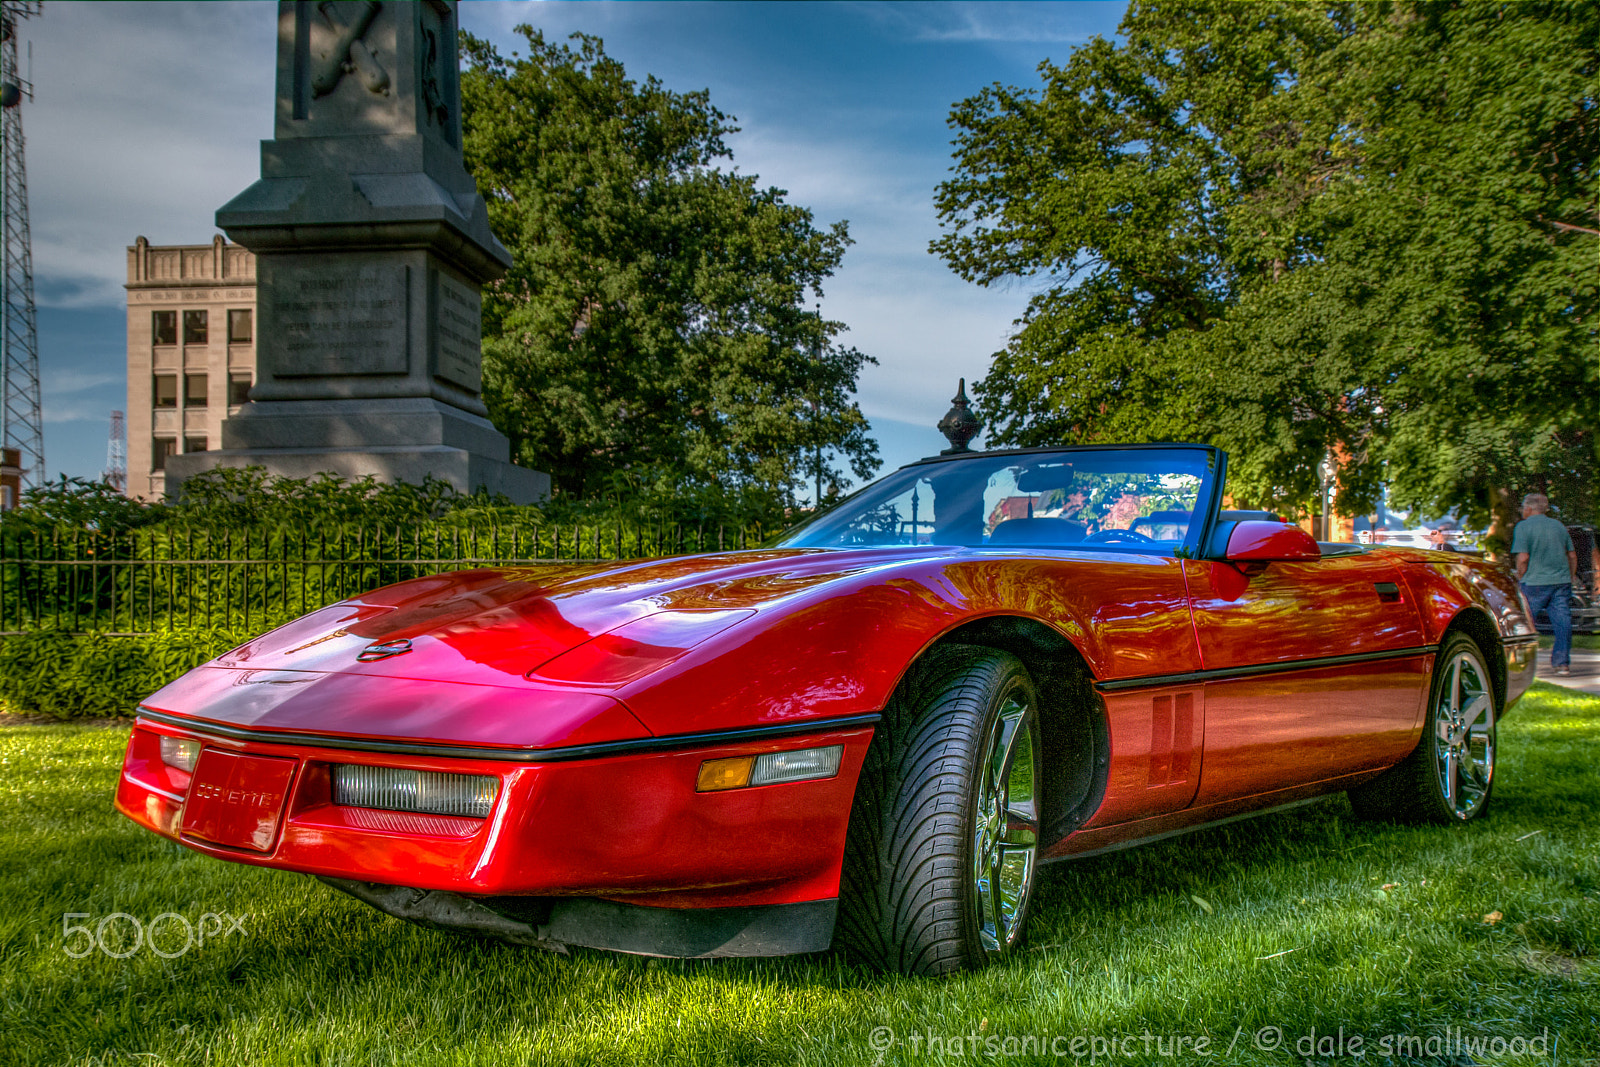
1511, 663
1473, 598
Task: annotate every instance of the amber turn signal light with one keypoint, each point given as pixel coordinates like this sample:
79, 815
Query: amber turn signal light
724, 774
771, 768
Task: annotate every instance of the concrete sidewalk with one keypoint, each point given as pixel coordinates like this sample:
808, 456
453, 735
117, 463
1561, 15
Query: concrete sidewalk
1585, 676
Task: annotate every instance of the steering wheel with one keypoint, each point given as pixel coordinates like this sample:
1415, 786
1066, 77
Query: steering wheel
1120, 535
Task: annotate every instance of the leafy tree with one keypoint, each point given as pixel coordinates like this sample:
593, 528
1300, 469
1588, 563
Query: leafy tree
1293, 229
653, 330
76, 504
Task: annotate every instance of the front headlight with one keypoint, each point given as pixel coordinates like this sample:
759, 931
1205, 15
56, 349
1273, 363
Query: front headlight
398, 789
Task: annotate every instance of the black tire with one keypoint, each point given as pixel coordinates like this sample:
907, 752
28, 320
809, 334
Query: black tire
927, 815
1447, 779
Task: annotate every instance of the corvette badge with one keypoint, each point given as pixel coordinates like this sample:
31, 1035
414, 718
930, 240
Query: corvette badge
383, 650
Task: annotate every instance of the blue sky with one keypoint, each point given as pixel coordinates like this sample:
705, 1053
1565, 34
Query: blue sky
146, 118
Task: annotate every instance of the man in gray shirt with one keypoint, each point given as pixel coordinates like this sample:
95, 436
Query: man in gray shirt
1547, 567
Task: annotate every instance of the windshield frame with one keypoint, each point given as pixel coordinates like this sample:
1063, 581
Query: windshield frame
1207, 502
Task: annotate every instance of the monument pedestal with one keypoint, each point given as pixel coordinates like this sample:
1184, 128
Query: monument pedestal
372, 245
397, 440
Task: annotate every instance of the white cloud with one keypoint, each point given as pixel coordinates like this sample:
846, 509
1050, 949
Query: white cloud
924, 326
987, 22
837, 177
76, 381
923, 339
68, 412
146, 118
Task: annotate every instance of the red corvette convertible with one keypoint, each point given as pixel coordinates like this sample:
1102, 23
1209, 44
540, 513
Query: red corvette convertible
873, 731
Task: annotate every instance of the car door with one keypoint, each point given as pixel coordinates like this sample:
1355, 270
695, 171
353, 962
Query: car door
1313, 670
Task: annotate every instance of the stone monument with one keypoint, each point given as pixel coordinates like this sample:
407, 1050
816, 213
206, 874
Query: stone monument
371, 246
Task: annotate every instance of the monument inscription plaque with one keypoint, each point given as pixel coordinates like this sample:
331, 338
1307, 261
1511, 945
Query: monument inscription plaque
340, 321
458, 332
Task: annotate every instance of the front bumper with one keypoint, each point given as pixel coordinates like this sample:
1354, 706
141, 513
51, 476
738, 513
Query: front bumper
556, 923
620, 823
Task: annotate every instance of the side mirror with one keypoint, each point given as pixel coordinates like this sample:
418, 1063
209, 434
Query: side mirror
1253, 541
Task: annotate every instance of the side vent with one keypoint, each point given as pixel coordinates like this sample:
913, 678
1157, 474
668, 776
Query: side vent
1171, 739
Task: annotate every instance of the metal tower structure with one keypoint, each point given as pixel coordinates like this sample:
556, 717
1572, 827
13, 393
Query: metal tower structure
116, 473
21, 424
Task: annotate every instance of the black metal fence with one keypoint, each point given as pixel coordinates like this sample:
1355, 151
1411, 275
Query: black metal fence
151, 581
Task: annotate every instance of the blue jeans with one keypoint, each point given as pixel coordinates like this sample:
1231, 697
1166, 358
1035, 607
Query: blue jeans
1556, 602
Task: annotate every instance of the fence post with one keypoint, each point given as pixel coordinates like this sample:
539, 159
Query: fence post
244, 577
55, 554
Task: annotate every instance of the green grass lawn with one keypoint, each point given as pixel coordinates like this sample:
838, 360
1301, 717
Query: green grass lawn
1585, 641
1306, 921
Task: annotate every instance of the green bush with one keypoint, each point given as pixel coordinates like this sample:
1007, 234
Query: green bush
252, 501
247, 550
70, 676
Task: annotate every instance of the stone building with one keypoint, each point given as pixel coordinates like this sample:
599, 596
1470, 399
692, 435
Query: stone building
191, 351
10, 478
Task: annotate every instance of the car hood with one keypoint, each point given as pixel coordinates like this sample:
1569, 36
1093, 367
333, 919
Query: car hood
500, 626
519, 657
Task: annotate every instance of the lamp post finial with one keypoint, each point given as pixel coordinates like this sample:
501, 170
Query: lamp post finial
959, 424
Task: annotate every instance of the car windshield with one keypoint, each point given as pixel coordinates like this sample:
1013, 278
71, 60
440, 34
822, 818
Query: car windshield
1112, 498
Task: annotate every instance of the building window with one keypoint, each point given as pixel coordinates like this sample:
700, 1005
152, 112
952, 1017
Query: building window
164, 388
6, 503
164, 327
194, 444
238, 391
240, 326
194, 390
194, 327
161, 450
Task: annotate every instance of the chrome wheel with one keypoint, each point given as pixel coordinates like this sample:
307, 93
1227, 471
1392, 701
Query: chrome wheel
1447, 778
1005, 827
939, 861
1464, 734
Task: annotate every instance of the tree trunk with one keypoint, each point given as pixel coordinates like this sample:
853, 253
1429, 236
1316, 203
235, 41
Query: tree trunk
1503, 515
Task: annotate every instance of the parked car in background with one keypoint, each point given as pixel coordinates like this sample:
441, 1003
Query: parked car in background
1441, 537
872, 732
